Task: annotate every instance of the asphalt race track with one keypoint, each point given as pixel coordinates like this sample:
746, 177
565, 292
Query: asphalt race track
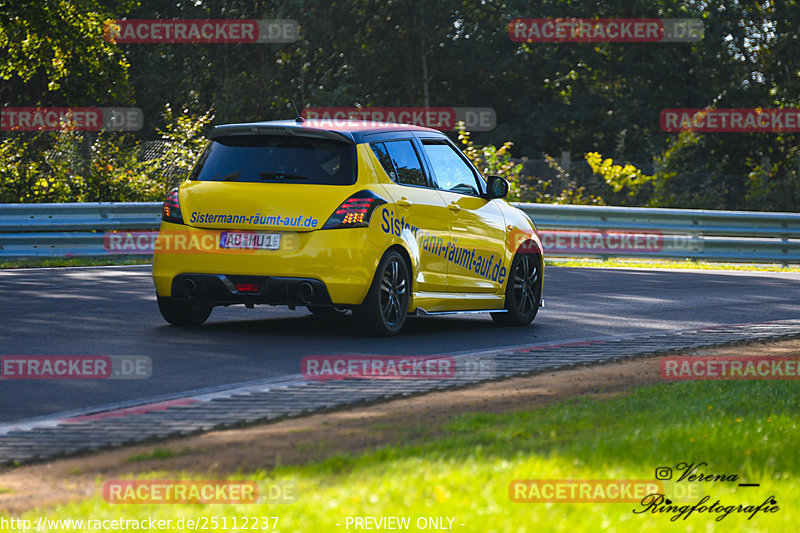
112, 311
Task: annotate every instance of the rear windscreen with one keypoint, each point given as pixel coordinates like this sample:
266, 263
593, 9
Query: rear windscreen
277, 159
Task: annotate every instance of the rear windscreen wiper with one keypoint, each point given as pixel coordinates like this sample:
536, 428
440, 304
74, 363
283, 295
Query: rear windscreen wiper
280, 176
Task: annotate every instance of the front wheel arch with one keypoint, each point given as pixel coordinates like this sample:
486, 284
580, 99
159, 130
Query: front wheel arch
523, 292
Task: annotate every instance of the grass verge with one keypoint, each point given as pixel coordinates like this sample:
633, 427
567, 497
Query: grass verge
463, 470
53, 262
158, 453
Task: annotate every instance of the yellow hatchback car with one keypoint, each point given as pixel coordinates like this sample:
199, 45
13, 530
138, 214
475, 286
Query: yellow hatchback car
382, 219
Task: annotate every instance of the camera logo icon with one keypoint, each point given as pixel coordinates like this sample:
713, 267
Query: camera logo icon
663, 472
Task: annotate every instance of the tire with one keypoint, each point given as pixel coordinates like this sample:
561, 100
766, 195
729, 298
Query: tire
180, 313
523, 292
384, 310
327, 310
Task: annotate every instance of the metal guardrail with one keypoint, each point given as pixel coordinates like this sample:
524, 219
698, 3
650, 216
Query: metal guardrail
65, 230
734, 236
702, 221
70, 229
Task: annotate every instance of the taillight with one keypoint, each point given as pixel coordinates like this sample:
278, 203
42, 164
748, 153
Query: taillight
172, 209
355, 212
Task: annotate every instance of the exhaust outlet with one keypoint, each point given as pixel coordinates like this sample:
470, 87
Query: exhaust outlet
305, 292
189, 287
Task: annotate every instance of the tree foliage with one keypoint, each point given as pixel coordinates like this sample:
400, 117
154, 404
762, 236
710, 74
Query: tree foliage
52, 52
75, 166
583, 98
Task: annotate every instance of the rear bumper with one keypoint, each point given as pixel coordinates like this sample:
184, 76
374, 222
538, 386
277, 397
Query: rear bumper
337, 263
220, 289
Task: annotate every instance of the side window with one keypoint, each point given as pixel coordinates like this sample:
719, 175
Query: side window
401, 163
452, 173
383, 156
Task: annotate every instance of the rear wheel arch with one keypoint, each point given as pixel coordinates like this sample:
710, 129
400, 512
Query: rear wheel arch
183, 313
409, 264
385, 308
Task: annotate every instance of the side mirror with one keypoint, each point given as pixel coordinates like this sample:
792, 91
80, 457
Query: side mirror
496, 187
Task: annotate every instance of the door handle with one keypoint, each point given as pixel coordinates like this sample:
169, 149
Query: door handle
403, 202
454, 207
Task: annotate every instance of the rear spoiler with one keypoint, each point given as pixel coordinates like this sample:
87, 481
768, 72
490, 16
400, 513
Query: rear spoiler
255, 128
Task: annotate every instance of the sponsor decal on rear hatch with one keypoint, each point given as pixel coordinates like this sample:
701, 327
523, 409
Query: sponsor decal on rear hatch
300, 221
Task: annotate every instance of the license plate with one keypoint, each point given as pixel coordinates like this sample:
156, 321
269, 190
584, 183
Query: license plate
249, 241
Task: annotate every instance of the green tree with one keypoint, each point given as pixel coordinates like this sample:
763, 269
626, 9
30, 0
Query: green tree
626, 179
52, 52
